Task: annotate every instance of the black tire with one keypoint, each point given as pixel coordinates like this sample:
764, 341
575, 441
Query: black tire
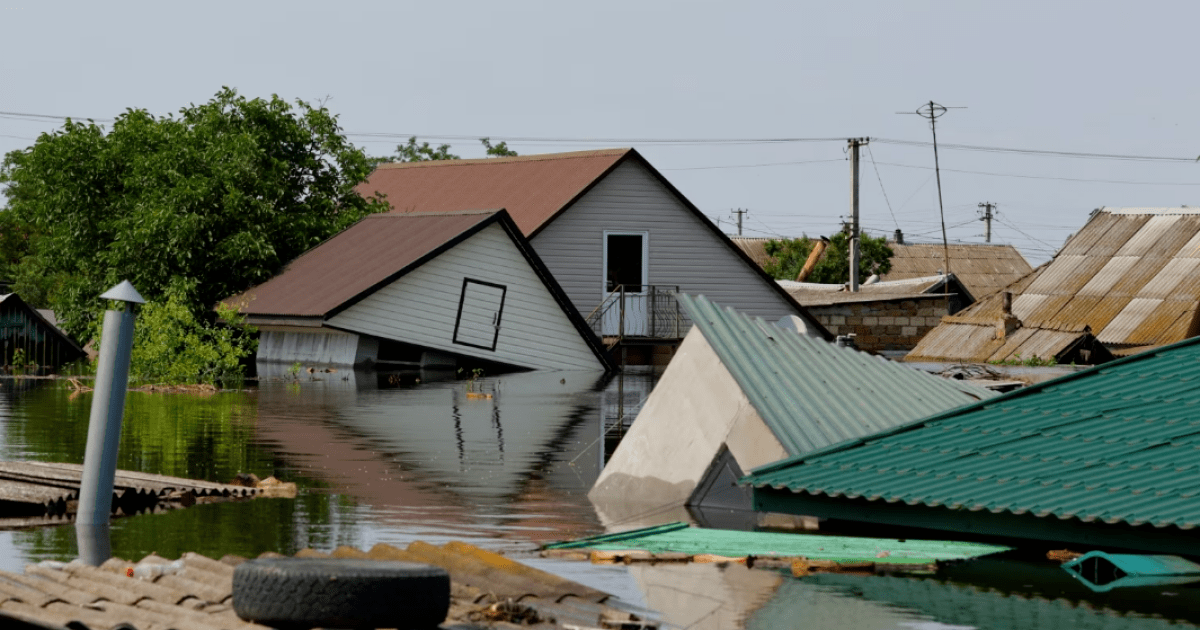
340, 593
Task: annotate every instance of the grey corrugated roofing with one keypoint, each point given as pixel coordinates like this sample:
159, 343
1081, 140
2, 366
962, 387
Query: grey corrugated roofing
982, 268
1129, 275
1116, 444
814, 294
813, 394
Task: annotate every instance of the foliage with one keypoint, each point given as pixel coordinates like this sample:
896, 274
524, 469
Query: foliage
172, 345
789, 256
221, 195
414, 151
16, 242
1031, 361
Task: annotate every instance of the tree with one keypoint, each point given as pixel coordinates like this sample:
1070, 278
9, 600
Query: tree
216, 198
498, 150
789, 256
413, 151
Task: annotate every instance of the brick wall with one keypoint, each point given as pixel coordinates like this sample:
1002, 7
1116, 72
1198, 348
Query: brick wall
884, 324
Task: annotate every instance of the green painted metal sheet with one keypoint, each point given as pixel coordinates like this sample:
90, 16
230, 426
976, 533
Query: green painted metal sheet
1103, 572
813, 394
1116, 444
680, 538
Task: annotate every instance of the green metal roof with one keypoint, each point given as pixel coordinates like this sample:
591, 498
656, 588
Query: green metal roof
680, 538
813, 394
1119, 443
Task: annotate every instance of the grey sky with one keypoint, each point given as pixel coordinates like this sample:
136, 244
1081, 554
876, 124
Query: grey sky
1103, 77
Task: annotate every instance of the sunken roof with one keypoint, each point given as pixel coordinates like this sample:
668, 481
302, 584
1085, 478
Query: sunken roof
984, 269
1116, 444
355, 262
1129, 276
533, 188
812, 393
818, 294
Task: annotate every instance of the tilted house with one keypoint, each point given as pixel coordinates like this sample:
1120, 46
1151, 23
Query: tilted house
30, 337
602, 221
741, 393
1107, 457
1128, 278
434, 288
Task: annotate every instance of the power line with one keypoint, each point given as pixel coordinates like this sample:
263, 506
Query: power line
703, 168
1068, 179
1041, 152
885, 197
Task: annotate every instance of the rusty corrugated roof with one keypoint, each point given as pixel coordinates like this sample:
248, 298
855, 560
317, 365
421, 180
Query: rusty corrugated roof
983, 269
533, 188
1129, 275
367, 254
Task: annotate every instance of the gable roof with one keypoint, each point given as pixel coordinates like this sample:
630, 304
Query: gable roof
812, 393
1115, 444
533, 188
1129, 275
983, 268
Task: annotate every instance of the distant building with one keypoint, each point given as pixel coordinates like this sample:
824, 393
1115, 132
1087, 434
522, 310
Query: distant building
1128, 279
982, 268
421, 289
605, 223
31, 337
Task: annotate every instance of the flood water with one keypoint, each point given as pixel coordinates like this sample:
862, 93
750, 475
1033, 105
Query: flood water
504, 463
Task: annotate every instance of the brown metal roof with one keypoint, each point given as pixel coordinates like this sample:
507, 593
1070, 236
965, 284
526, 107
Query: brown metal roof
1129, 275
983, 269
364, 256
533, 188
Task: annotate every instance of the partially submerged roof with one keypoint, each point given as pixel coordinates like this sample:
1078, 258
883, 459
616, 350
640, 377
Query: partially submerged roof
813, 394
982, 268
814, 294
1129, 275
1118, 444
533, 188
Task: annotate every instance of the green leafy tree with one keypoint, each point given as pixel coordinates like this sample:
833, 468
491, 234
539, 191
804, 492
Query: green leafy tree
498, 150
789, 255
218, 197
413, 151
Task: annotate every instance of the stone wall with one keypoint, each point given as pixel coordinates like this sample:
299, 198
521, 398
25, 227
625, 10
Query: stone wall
882, 324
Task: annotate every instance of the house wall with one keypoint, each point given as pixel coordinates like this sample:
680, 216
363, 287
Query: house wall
683, 251
422, 306
695, 408
882, 325
316, 347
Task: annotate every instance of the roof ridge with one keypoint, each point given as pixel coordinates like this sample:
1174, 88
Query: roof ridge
417, 215
536, 157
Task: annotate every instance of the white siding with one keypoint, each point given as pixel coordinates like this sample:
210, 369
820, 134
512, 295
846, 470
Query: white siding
683, 251
421, 308
321, 347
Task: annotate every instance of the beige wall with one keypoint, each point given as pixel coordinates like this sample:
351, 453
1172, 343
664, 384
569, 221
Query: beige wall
883, 325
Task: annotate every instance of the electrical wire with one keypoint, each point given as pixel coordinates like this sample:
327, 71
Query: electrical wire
1038, 152
885, 197
704, 168
1067, 179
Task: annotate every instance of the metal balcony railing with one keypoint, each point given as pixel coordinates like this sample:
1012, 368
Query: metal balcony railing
652, 313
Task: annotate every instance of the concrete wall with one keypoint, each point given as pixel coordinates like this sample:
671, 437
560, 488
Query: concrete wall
696, 407
682, 250
883, 325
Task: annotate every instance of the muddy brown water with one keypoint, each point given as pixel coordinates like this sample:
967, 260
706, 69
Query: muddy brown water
504, 462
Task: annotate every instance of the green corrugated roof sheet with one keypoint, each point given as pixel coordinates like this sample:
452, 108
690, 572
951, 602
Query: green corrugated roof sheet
680, 538
813, 394
1119, 443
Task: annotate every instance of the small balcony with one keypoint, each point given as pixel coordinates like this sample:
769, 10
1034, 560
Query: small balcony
650, 315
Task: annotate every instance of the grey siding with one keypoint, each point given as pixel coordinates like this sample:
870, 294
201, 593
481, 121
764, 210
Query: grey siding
321, 347
683, 251
422, 306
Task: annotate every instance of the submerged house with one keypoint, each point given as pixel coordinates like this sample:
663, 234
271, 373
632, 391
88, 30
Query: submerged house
424, 289
741, 393
31, 337
606, 224
1128, 278
1107, 457
884, 316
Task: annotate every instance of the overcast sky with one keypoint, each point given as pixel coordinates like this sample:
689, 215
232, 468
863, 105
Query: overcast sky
1083, 77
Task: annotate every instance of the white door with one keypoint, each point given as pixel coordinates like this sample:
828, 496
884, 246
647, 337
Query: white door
626, 258
480, 307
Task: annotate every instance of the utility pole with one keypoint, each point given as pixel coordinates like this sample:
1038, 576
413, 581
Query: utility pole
987, 220
932, 111
855, 229
739, 212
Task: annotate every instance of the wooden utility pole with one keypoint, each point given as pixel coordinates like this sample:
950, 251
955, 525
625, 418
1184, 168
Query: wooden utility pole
855, 229
987, 220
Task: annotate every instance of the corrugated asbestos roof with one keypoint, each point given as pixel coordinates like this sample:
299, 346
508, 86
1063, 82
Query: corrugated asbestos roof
754, 247
813, 294
1119, 443
813, 394
197, 592
533, 188
983, 269
1129, 275
360, 258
